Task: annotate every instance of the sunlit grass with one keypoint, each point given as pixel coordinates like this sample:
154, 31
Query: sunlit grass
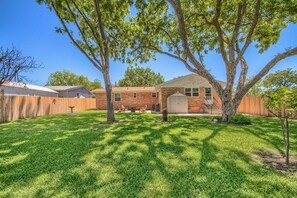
65, 156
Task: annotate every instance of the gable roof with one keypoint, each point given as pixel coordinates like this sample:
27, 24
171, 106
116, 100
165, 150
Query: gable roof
186, 76
67, 88
127, 89
27, 86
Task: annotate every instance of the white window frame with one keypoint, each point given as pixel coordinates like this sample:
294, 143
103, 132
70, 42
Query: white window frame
211, 92
155, 95
192, 91
115, 97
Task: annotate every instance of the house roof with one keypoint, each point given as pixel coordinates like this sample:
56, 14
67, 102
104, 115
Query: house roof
183, 77
63, 88
125, 89
27, 86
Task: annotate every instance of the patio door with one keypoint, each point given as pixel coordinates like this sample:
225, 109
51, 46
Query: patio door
208, 96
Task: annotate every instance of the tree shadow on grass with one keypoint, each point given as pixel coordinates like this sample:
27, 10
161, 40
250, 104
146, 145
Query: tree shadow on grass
76, 156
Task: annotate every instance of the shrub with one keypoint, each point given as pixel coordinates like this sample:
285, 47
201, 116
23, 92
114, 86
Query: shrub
240, 119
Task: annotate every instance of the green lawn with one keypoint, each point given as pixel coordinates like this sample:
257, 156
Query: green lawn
76, 157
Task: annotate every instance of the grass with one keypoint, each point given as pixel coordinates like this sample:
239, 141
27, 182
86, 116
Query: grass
65, 156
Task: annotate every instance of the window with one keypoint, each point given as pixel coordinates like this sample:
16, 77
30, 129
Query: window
134, 95
188, 91
195, 92
208, 95
117, 97
78, 95
154, 95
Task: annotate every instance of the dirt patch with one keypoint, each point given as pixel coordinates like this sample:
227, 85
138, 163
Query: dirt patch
277, 161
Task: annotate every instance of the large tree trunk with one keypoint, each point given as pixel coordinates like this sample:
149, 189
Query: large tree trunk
228, 106
228, 110
108, 89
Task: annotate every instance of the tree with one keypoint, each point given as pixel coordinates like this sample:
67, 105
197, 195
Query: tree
282, 78
67, 78
99, 30
187, 30
13, 65
139, 76
282, 103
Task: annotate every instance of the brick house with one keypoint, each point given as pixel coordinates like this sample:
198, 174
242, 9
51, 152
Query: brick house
186, 94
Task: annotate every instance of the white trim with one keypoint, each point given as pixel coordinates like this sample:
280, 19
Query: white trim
211, 91
192, 91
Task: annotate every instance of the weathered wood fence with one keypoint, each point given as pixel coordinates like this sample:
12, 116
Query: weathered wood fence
17, 107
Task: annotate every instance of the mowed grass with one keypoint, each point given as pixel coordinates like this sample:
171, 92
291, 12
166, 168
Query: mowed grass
65, 156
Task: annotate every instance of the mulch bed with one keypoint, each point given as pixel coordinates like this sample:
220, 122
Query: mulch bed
277, 161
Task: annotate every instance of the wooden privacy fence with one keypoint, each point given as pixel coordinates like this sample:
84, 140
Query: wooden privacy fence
17, 107
253, 105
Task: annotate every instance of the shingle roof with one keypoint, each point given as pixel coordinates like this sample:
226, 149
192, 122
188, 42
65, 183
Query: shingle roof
62, 88
185, 76
129, 89
27, 86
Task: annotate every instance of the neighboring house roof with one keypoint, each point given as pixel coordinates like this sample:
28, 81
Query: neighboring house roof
27, 86
63, 88
181, 78
127, 89
66, 88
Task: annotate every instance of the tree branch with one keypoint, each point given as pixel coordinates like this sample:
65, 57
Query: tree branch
102, 33
251, 32
183, 34
266, 69
73, 40
82, 34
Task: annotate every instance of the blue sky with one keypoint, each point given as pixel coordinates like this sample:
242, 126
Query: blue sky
31, 28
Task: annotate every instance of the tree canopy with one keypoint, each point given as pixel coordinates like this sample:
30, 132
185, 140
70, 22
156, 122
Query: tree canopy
140, 76
67, 78
281, 78
187, 30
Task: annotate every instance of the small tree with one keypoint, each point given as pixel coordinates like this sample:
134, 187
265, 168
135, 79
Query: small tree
282, 103
139, 76
13, 65
67, 78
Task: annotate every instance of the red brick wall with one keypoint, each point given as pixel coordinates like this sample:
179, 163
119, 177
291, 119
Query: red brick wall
145, 98
127, 99
192, 101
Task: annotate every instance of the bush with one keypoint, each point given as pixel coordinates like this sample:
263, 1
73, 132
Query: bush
240, 119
